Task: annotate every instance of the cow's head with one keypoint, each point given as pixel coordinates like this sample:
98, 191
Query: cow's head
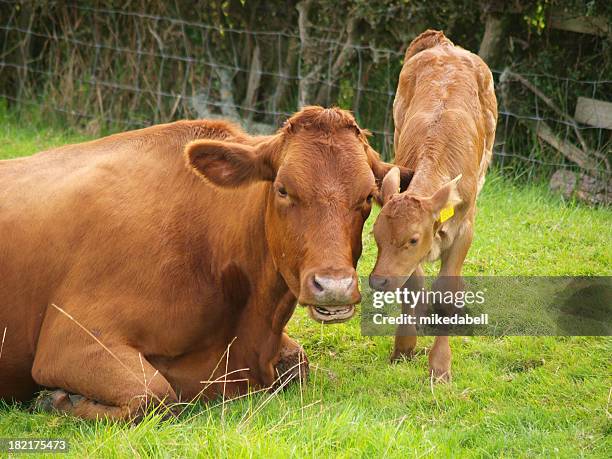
322, 177
405, 229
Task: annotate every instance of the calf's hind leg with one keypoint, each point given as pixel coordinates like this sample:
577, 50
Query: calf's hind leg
112, 381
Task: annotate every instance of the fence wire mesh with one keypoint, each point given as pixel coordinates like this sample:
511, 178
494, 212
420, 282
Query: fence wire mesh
106, 69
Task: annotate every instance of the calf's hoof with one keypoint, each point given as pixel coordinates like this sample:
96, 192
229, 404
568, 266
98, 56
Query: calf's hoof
440, 374
292, 366
404, 346
401, 356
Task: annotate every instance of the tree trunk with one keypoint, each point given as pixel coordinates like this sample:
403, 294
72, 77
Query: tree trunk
20, 54
311, 68
348, 49
253, 85
492, 39
282, 82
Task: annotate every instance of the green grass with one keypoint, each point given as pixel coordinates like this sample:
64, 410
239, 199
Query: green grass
510, 397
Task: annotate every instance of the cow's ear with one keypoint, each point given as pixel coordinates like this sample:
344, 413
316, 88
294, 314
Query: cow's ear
381, 169
445, 197
230, 164
381, 172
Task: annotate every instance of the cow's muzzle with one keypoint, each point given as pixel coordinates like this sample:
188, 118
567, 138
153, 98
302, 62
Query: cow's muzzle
331, 295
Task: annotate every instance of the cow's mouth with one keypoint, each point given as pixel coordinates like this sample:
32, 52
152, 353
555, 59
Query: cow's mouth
331, 314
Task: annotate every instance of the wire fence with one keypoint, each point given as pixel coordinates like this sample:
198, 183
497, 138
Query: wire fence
106, 69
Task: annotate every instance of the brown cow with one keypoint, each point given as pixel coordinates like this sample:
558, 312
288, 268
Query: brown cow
445, 115
126, 274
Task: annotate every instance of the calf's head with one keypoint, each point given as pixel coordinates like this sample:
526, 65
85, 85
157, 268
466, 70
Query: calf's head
321, 177
405, 229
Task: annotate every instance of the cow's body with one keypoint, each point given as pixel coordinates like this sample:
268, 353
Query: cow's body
445, 113
119, 234
162, 269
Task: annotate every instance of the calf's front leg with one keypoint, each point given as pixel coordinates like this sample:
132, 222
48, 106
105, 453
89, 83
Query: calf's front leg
449, 279
406, 334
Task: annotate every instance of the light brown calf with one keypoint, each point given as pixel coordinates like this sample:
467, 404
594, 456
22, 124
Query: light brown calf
131, 264
445, 114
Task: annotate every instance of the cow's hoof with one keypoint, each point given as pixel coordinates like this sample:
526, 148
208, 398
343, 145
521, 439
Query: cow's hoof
440, 374
57, 400
292, 366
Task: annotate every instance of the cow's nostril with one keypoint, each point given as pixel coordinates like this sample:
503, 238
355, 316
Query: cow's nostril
317, 284
329, 289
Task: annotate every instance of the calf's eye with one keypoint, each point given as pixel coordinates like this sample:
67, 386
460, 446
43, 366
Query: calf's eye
414, 241
369, 198
282, 191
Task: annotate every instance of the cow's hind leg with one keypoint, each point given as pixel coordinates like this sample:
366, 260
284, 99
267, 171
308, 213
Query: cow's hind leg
115, 381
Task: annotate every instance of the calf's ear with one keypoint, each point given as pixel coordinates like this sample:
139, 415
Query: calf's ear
447, 196
229, 164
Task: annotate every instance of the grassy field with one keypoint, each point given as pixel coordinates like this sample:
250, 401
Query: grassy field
510, 397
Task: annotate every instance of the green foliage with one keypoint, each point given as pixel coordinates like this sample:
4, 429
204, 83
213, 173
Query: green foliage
537, 18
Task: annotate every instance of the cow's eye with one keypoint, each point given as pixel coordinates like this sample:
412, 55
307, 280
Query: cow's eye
282, 191
369, 198
414, 241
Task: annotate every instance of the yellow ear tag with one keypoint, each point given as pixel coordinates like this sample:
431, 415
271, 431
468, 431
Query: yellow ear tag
446, 213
